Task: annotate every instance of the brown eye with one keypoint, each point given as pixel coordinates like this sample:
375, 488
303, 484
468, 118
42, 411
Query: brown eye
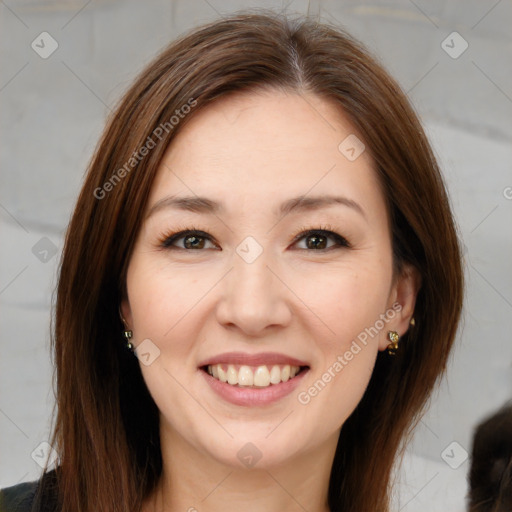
188, 240
193, 242
317, 240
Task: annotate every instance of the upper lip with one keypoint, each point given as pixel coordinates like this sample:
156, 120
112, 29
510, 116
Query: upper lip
263, 358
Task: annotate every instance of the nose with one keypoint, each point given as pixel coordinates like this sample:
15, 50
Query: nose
254, 297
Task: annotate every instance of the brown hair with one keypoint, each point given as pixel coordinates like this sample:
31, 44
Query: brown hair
106, 430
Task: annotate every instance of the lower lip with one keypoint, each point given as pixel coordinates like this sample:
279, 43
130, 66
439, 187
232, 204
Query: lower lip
253, 396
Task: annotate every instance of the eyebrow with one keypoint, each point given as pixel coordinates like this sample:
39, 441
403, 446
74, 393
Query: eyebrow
204, 205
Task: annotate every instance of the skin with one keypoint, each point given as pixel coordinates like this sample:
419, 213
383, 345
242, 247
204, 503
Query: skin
251, 152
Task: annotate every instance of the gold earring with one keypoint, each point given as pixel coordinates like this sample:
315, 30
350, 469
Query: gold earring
127, 333
128, 336
393, 346
412, 322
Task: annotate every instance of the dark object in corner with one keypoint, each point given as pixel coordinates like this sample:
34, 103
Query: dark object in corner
490, 476
21, 497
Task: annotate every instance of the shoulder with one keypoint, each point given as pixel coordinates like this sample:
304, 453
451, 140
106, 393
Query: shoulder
20, 497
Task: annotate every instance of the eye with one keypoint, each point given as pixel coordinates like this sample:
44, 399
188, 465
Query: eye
317, 239
195, 239
191, 239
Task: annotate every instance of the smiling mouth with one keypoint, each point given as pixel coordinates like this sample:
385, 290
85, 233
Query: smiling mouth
261, 376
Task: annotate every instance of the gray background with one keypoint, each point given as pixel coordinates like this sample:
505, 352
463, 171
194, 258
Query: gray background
53, 111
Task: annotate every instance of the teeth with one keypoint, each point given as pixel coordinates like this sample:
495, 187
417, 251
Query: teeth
262, 377
245, 376
259, 376
275, 375
232, 375
221, 373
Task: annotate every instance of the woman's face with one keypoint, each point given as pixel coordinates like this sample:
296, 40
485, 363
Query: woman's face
244, 286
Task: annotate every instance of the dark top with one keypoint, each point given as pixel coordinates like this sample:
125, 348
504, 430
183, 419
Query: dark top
20, 497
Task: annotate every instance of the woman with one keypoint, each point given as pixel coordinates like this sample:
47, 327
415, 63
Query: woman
260, 286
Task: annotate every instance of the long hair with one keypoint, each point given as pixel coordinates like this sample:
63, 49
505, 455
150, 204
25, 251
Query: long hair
106, 428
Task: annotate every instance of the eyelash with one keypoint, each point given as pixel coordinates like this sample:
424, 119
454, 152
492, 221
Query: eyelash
166, 240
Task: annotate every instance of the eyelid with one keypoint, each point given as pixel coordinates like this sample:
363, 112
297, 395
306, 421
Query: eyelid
326, 230
166, 239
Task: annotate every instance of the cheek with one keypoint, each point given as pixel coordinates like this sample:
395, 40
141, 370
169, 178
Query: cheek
160, 299
346, 301
347, 344
350, 304
336, 389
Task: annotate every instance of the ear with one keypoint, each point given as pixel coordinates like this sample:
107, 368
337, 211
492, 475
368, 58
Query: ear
126, 311
402, 299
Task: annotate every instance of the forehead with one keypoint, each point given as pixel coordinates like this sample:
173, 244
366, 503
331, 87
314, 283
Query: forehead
268, 144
